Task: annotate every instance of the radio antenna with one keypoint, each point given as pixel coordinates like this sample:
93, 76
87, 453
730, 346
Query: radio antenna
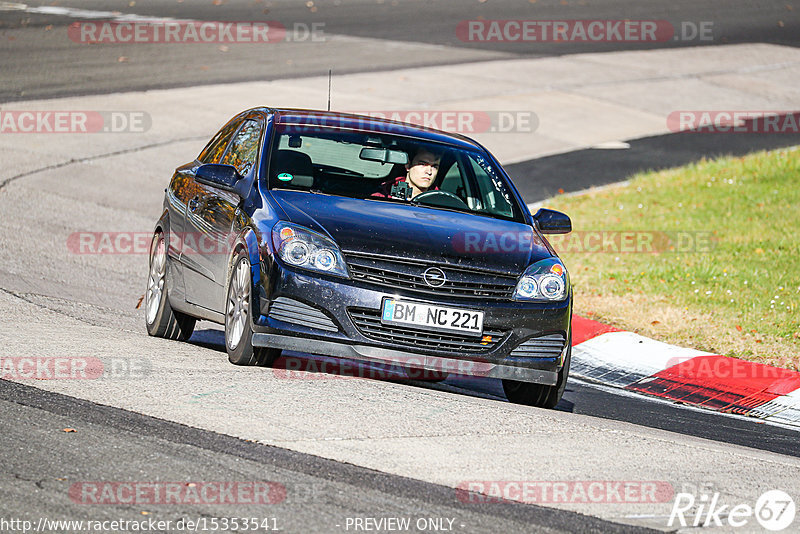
329, 88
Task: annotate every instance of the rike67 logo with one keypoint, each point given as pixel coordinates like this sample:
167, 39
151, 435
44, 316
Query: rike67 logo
774, 511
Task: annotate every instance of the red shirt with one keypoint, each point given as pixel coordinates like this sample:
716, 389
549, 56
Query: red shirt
386, 187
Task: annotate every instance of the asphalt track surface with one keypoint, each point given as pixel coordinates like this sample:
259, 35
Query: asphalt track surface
128, 446
118, 444
40, 61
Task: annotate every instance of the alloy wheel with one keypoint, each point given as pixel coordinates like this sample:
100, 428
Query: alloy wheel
155, 282
238, 304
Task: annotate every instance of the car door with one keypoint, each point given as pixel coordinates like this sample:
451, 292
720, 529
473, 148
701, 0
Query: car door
183, 190
198, 281
212, 220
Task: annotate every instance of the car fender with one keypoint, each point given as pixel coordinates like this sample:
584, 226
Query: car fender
163, 225
175, 290
248, 241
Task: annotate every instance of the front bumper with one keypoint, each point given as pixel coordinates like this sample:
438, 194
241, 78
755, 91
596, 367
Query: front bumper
323, 322
400, 358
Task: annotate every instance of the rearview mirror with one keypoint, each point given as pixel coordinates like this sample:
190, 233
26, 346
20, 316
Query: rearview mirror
384, 155
220, 176
552, 222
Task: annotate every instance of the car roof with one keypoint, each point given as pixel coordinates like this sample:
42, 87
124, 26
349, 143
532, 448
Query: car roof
365, 123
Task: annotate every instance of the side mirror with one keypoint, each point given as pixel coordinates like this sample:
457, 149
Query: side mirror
552, 222
221, 176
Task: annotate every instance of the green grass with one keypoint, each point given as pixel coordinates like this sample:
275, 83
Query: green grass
747, 208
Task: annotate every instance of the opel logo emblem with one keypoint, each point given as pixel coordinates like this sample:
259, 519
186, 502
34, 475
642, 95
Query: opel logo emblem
434, 277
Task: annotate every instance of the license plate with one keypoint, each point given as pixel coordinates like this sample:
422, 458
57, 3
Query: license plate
431, 317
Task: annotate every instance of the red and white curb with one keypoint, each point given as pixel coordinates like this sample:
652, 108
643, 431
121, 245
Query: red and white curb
639, 364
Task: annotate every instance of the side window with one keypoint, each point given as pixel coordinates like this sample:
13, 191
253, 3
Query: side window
455, 181
243, 151
494, 195
214, 150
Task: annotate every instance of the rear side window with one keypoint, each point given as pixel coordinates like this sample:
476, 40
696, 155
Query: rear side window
243, 151
213, 151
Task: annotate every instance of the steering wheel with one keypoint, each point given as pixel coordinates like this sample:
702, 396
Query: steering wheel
443, 199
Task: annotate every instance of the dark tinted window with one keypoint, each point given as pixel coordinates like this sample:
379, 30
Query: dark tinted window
243, 151
213, 151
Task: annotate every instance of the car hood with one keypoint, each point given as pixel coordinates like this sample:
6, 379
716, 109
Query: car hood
414, 232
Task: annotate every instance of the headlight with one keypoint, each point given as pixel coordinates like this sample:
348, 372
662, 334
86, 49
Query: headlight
544, 281
301, 247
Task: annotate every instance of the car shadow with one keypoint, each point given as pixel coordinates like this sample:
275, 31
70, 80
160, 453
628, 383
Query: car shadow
209, 339
565, 405
299, 366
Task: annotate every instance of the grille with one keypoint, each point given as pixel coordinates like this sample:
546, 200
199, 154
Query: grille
399, 273
292, 311
369, 324
549, 346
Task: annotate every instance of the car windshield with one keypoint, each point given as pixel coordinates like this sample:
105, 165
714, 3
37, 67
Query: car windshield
386, 167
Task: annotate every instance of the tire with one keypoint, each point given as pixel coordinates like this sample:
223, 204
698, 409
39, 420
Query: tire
239, 318
160, 318
539, 395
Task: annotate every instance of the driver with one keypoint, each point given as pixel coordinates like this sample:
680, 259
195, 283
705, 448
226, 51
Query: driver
420, 174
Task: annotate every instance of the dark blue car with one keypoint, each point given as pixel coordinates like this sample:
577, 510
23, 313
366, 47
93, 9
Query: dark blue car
364, 239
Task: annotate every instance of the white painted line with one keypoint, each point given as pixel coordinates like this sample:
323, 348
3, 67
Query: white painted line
617, 360
83, 13
612, 145
680, 406
785, 409
622, 358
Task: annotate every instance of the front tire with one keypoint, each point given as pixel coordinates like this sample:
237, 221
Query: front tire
539, 395
239, 319
160, 318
